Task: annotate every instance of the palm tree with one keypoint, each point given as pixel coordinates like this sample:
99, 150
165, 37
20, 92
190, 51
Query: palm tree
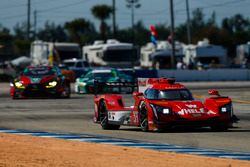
80, 30
102, 12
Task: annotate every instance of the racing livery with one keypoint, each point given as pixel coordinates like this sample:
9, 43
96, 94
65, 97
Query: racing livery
40, 81
83, 83
161, 103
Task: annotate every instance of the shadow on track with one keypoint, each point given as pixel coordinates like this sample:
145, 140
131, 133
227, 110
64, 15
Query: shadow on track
189, 130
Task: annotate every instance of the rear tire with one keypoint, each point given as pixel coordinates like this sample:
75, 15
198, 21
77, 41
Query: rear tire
104, 118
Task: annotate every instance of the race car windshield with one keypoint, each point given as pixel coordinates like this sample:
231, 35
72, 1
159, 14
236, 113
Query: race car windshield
38, 71
69, 64
175, 95
180, 94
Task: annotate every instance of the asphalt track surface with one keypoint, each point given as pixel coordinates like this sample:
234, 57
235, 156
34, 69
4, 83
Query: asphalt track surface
75, 115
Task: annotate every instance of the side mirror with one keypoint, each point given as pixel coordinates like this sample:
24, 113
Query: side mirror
213, 92
137, 94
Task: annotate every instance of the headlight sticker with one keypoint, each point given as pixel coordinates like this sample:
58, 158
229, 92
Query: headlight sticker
19, 84
51, 84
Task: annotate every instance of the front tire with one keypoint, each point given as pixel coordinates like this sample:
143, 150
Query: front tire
14, 97
143, 118
104, 118
66, 92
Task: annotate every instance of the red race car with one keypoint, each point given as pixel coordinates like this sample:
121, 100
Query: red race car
40, 81
161, 103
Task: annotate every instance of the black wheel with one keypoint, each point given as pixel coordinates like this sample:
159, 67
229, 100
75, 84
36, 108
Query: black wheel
104, 118
143, 118
15, 96
66, 92
79, 91
235, 119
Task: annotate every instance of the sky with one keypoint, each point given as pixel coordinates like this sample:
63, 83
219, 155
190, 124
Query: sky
152, 12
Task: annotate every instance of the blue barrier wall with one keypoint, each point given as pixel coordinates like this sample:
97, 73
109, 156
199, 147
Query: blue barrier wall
195, 75
146, 73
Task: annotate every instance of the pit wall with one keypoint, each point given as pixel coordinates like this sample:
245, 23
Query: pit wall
196, 75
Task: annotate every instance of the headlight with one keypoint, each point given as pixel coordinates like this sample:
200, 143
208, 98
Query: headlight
166, 111
51, 84
160, 109
82, 83
19, 84
226, 108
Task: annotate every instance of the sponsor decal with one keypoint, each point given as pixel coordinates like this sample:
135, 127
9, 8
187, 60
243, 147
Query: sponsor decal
142, 82
191, 105
111, 103
109, 115
211, 112
35, 80
191, 111
174, 87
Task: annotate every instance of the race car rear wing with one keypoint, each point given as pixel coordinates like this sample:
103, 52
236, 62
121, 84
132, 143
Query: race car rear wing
113, 87
126, 87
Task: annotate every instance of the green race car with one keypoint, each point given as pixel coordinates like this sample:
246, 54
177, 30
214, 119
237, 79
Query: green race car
83, 83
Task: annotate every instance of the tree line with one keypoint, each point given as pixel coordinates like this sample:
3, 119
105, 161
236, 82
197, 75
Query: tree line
229, 33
